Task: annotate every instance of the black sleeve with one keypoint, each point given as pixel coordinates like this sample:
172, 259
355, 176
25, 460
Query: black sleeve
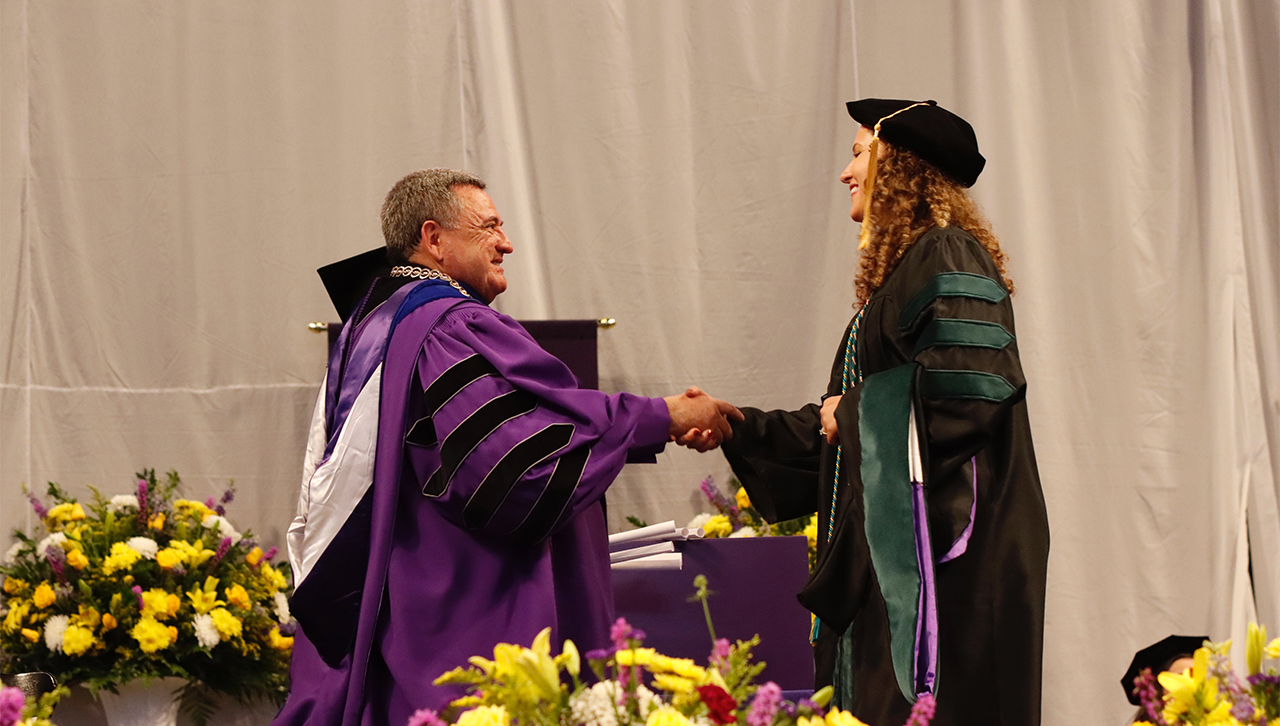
775, 454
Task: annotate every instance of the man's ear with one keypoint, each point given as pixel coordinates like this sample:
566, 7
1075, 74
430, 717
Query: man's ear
430, 245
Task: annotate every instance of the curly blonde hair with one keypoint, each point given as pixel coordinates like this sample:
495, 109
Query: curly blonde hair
910, 196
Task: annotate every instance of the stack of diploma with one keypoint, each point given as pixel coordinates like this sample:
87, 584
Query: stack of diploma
650, 548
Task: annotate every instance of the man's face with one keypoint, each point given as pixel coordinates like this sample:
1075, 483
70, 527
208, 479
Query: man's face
472, 251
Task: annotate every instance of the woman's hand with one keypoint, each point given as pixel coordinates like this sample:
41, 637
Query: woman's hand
829, 429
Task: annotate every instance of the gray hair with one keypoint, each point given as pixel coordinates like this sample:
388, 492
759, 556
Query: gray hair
423, 195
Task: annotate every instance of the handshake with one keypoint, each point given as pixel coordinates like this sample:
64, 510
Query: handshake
699, 421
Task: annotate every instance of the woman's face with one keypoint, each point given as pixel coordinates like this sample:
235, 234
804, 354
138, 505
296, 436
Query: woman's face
855, 174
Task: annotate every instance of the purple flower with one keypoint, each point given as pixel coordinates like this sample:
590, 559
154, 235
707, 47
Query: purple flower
788, 708
137, 590
1270, 679
807, 705
142, 503
227, 496
272, 552
425, 717
223, 548
600, 653
221, 510
1236, 691
11, 703
56, 557
1144, 687
289, 628
923, 710
41, 512
720, 653
765, 705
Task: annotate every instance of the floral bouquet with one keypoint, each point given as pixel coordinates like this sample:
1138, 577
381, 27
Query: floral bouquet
633, 685
1210, 693
735, 517
144, 586
16, 710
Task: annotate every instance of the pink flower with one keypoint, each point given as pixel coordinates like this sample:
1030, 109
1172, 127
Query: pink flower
720, 653
425, 717
11, 703
765, 705
41, 512
923, 710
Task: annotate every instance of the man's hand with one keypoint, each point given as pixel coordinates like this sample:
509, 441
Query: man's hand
699, 421
828, 415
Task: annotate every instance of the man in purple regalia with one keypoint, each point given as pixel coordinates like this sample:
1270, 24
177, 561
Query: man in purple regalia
452, 487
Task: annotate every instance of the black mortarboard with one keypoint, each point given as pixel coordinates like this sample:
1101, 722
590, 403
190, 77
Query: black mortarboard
348, 280
927, 130
1158, 657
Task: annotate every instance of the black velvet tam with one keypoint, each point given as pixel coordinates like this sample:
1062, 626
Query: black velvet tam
1158, 657
930, 131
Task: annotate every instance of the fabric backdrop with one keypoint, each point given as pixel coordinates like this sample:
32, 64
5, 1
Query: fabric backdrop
172, 173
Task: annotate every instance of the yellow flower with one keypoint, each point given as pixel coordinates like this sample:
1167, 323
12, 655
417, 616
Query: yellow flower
168, 558
466, 702
569, 658
14, 586
457, 675
273, 577
254, 556
173, 634
836, 717
278, 641
742, 499
540, 674
63, 513
227, 624
157, 521
1273, 649
191, 509
236, 595
121, 557
159, 604
202, 601
718, 526
811, 531
151, 635
665, 716
32, 635
635, 656
18, 611
77, 640
485, 716
44, 595
1194, 693
673, 684
109, 622
76, 559
1255, 643
88, 617
807, 721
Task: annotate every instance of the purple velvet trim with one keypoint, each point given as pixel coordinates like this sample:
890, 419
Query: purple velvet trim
341, 390
961, 545
926, 665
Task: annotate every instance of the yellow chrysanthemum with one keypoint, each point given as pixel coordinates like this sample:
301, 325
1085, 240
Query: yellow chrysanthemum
673, 684
44, 595
254, 556
635, 656
151, 635
31, 635
228, 625
160, 604
77, 640
191, 509
76, 559
121, 557
278, 641
238, 596
18, 610
666, 716
109, 622
485, 716
14, 586
718, 526
88, 617
742, 499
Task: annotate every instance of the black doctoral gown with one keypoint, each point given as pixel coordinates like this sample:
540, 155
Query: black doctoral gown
937, 337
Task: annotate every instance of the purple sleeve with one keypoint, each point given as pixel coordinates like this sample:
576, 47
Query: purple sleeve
502, 439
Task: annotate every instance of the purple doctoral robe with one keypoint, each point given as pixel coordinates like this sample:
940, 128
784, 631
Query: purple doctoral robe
483, 522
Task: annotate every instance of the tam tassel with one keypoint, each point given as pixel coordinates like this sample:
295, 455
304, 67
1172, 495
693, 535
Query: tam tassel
868, 186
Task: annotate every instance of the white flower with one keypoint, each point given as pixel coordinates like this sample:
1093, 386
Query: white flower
745, 532
11, 556
144, 546
698, 521
57, 538
595, 706
122, 502
54, 628
282, 608
206, 632
224, 527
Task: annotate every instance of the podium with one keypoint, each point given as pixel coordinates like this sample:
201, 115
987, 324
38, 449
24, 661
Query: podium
753, 581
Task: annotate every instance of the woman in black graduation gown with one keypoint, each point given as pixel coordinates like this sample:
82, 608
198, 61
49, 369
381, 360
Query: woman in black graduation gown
930, 575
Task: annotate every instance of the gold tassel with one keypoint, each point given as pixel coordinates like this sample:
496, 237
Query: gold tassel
864, 238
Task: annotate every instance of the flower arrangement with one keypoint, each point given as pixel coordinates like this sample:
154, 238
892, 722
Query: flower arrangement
16, 710
1211, 693
142, 586
735, 517
633, 685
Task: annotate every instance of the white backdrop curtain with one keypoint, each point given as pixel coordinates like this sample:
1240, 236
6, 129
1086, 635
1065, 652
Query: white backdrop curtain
172, 173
